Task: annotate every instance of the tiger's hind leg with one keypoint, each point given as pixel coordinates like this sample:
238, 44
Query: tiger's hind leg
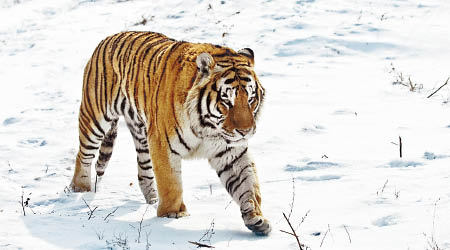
146, 176
105, 152
91, 134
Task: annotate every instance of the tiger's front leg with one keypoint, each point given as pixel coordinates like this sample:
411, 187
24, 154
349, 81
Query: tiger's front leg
237, 173
167, 168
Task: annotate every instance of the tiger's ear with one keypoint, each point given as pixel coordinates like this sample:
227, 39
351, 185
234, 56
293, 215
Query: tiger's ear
205, 63
247, 52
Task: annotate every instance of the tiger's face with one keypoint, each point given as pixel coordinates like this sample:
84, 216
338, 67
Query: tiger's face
230, 96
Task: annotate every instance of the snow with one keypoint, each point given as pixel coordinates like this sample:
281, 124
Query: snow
326, 134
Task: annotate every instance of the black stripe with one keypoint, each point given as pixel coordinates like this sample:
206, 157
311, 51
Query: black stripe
144, 162
131, 112
141, 178
228, 81
244, 193
243, 180
182, 141
208, 102
97, 52
105, 80
229, 186
141, 150
122, 106
99, 127
155, 53
221, 153
226, 53
108, 143
199, 103
161, 75
84, 131
88, 147
87, 156
145, 168
258, 223
229, 166
104, 156
204, 123
170, 146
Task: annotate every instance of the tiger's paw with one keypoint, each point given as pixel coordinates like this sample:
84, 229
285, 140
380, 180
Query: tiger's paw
253, 219
78, 187
176, 215
151, 200
259, 225
151, 197
172, 212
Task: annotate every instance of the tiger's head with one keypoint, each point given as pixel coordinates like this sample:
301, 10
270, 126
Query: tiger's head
228, 96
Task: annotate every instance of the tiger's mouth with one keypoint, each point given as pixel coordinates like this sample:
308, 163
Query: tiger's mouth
236, 137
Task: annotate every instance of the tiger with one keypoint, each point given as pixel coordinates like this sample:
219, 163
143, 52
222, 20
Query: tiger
180, 100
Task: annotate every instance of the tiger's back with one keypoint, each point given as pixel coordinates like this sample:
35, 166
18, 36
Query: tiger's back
176, 101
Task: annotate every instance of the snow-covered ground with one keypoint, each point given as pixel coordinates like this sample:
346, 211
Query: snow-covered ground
325, 136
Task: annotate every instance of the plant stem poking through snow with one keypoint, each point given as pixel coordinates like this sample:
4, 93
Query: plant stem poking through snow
91, 212
206, 237
382, 189
432, 243
199, 245
399, 79
140, 225
300, 246
95, 185
325, 235
23, 205
349, 239
111, 214
400, 145
439, 88
293, 198
303, 219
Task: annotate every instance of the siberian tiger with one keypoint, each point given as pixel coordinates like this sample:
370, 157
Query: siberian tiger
179, 100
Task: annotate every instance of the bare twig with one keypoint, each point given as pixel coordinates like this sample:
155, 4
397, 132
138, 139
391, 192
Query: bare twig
286, 232
438, 88
384, 186
199, 245
293, 232
111, 213
208, 234
434, 217
325, 235
349, 239
400, 79
396, 193
91, 211
23, 205
303, 219
100, 234
140, 225
67, 190
95, 185
400, 145
293, 198
147, 243
228, 204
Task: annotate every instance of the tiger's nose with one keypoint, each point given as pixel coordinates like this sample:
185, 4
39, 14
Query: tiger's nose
243, 132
